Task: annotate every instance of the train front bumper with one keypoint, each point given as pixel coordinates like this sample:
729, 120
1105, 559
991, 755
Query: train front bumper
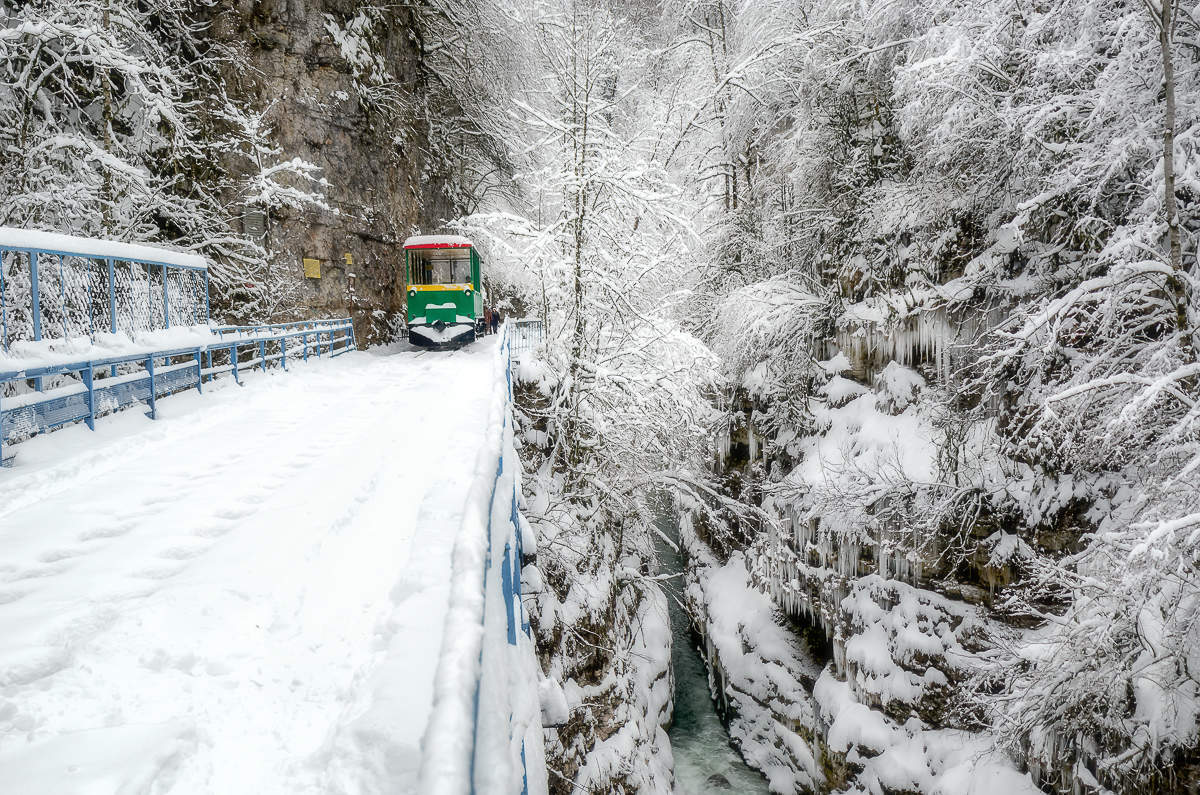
441, 334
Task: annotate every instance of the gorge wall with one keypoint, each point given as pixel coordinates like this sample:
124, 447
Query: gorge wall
341, 86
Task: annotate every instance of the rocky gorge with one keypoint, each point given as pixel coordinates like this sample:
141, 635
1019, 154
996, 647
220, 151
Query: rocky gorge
343, 87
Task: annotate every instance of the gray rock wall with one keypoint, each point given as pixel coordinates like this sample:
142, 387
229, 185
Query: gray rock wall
361, 120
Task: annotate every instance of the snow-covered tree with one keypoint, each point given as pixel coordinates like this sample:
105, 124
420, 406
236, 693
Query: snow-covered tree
598, 241
1003, 198
116, 120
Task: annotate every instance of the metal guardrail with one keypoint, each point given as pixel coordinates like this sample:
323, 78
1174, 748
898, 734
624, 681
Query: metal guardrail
102, 386
275, 328
505, 502
55, 285
525, 336
485, 734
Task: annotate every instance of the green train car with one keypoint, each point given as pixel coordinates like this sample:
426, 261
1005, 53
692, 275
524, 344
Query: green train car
445, 308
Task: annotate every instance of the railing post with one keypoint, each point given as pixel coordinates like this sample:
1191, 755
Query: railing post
283, 352
35, 296
153, 412
166, 303
87, 374
233, 360
91, 314
3, 460
112, 304
112, 295
507, 592
304, 339
199, 372
3, 307
208, 356
521, 558
262, 355
62, 295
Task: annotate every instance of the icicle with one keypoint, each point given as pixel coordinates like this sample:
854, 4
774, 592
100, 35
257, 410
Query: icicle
723, 445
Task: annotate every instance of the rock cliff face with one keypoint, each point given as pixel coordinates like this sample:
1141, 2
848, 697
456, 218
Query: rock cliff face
342, 87
862, 658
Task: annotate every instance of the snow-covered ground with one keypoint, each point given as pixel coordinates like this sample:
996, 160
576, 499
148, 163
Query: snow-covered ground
245, 596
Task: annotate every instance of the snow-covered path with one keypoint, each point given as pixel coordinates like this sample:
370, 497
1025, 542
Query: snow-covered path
246, 596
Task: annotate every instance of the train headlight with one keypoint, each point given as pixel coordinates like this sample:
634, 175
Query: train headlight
412, 293
468, 291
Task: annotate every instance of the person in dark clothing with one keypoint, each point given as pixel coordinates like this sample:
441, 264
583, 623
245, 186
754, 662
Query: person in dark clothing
488, 316
495, 320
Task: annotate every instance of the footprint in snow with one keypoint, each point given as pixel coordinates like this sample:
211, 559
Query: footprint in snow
41, 571
107, 531
55, 555
212, 530
183, 553
8, 597
158, 572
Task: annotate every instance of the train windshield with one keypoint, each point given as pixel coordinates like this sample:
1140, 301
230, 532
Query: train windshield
441, 266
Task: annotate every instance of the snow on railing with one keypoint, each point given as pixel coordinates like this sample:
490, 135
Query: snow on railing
54, 285
278, 328
87, 389
485, 732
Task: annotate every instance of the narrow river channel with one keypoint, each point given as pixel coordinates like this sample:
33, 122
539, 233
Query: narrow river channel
704, 759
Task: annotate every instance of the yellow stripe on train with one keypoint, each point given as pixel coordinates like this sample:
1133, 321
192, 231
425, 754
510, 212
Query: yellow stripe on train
421, 288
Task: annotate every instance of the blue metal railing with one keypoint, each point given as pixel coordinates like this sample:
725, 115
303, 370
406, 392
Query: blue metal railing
61, 286
526, 336
311, 325
505, 502
97, 387
485, 734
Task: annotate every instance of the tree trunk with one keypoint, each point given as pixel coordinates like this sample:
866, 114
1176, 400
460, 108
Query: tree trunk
1177, 282
106, 192
580, 107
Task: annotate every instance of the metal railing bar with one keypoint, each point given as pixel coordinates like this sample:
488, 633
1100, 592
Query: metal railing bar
70, 367
59, 253
333, 337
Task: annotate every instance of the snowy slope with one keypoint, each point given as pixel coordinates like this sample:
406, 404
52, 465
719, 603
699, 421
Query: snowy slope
246, 596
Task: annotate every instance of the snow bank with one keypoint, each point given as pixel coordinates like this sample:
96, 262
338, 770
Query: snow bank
639, 751
865, 432
900, 643
909, 757
793, 719
846, 559
758, 672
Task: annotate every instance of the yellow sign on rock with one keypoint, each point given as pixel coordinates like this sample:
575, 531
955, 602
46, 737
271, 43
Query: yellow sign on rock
312, 268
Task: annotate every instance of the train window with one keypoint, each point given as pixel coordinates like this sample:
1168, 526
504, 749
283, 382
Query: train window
441, 266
